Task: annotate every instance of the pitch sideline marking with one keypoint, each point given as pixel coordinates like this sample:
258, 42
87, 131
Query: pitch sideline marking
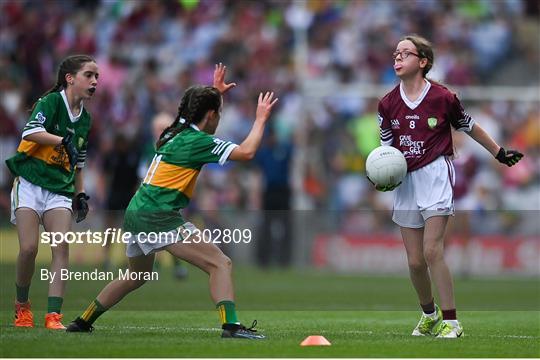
359, 332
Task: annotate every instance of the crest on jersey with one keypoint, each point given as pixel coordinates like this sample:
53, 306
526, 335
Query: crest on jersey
40, 117
432, 122
81, 142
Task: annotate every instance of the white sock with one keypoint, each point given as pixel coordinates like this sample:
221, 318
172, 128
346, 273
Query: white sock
433, 315
454, 323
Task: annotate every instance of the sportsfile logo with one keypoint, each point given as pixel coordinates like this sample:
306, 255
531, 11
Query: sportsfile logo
186, 235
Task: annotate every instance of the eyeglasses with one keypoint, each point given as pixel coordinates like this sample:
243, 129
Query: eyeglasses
404, 54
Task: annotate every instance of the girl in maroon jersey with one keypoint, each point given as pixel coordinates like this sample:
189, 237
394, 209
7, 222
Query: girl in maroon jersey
416, 117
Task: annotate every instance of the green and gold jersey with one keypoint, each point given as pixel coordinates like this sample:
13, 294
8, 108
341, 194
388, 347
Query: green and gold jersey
48, 165
170, 180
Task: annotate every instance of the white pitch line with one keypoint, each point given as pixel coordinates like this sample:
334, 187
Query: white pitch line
359, 332
514, 336
159, 328
481, 336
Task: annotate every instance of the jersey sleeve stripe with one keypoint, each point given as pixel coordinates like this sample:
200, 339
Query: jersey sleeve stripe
387, 138
216, 147
224, 146
33, 123
219, 149
32, 131
81, 159
465, 124
386, 135
226, 153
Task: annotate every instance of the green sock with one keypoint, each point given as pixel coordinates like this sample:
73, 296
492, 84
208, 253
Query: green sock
22, 293
227, 312
94, 310
54, 304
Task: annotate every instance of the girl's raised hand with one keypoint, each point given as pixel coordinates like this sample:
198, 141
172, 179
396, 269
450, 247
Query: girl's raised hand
219, 79
264, 105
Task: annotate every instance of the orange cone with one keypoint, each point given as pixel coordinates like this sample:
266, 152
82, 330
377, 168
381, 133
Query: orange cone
315, 340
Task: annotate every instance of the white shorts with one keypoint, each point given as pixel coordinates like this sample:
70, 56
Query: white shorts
424, 193
27, 195
149, 243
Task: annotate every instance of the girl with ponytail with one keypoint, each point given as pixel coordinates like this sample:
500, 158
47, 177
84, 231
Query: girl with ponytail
48, 182
182, 150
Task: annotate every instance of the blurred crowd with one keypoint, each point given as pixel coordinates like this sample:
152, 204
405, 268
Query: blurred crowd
149, 52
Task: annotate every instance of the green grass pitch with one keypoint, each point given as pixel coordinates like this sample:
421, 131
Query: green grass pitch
362, 316
352, 333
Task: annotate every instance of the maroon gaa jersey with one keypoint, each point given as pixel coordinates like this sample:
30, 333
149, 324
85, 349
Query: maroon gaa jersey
420, 129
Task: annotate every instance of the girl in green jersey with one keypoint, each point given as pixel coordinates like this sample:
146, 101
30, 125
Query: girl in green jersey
48, 170
182, 149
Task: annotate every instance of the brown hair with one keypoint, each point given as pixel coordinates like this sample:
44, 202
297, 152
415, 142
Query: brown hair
424, 48
195, 103
70, 65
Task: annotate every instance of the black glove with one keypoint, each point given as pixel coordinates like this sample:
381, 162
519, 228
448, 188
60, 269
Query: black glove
508, 157
385, 187
80, 206
71, 150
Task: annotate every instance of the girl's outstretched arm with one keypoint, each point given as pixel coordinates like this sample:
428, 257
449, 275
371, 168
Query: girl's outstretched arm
507, 157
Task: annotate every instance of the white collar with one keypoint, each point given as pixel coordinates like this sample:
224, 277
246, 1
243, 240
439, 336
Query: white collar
414, 104
193, 126
71, 116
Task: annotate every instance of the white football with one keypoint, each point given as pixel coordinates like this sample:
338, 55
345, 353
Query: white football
386, 165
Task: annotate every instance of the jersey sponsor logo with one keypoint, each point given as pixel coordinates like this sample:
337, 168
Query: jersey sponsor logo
50, 154
432, 122
410, 147
412, 117
60, 156
40, 117
395, 124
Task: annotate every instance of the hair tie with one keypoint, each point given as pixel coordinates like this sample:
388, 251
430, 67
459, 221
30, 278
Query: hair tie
182, 120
